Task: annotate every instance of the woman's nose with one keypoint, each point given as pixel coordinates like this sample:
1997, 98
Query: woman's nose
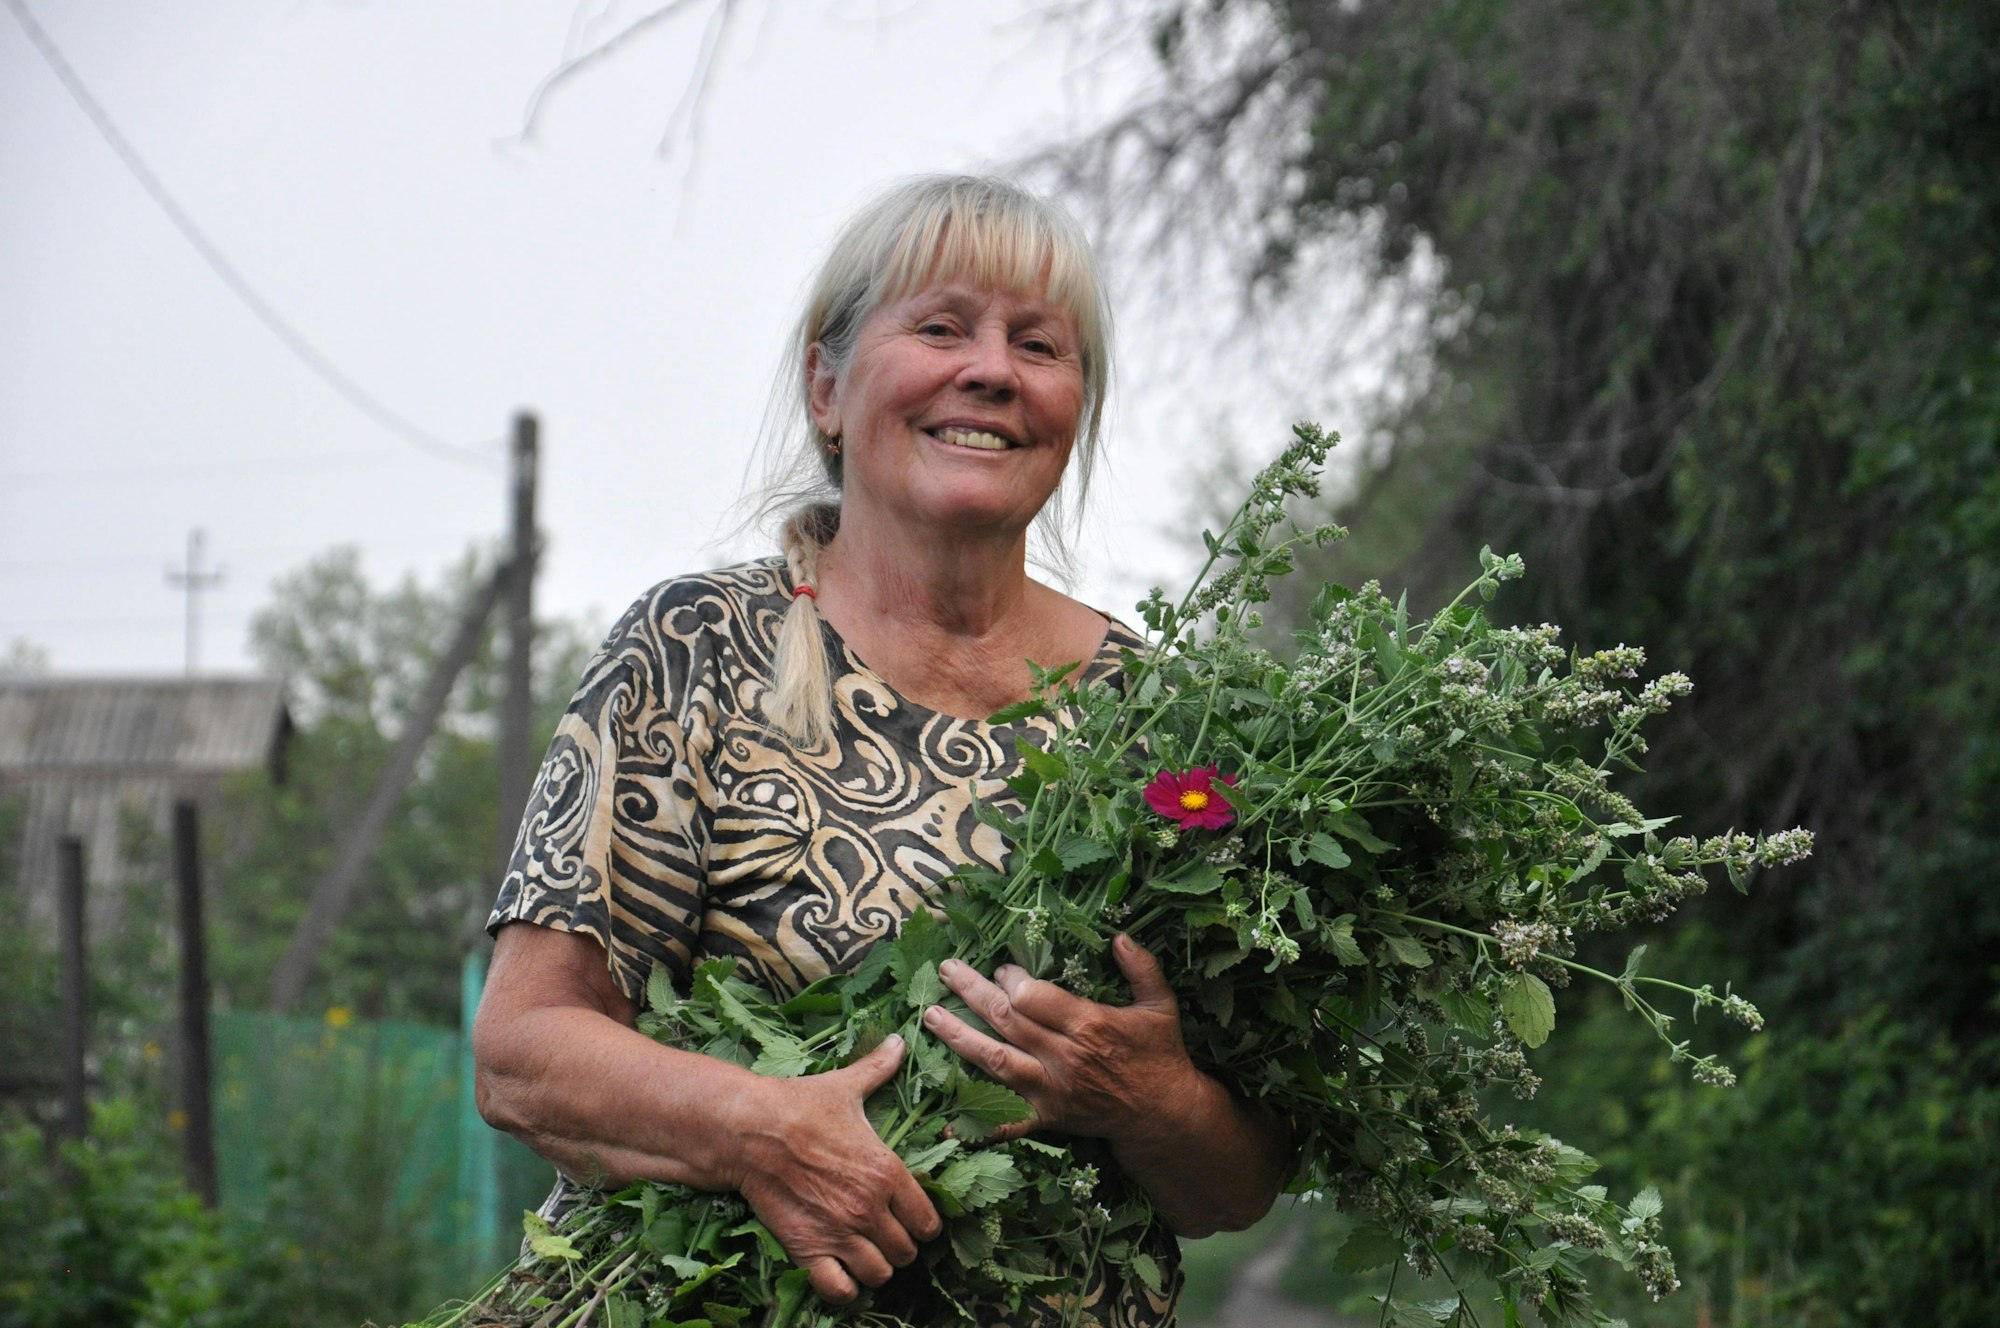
989, 364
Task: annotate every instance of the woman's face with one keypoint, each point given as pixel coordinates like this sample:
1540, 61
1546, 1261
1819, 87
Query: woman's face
956, 411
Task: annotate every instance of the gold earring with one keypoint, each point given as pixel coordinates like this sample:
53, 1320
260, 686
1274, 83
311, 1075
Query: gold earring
833, 447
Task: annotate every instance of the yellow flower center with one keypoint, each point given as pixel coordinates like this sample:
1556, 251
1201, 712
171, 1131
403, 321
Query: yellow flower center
1193, 800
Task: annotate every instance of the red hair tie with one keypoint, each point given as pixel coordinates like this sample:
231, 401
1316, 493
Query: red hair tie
807, 591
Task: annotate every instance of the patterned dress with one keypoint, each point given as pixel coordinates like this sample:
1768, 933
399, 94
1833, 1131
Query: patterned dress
669, 825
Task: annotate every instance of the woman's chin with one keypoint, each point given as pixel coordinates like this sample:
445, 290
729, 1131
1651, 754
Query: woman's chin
964, 509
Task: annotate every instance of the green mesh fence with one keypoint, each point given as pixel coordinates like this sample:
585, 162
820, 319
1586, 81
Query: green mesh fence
371, 1125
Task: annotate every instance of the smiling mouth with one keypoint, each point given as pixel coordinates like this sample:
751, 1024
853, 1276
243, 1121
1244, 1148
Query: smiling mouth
978, 439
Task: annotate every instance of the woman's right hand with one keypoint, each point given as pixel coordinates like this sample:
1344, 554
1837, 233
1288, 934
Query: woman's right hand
562, 1067
840, 1201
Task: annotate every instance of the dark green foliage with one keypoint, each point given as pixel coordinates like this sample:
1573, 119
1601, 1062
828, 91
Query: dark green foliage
1732, 380
1718, 351
109, 1238
356, 659
315, 1229
1364, 872
1829, 1187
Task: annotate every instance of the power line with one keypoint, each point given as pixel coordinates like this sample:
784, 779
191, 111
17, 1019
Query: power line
194, 468
308, 354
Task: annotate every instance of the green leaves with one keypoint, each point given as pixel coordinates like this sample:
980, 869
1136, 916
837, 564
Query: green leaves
1350, 825
1198, 878
1369, 1245
1078, 851
1338, 934
1044, 765
544, 1242
1407, 950
1402, 858
1529, 1008
1020, 710
1322, 849
977, 1107
1467, 1011
979, 1179
914, 956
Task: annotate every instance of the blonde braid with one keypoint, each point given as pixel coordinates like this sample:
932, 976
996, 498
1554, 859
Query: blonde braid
800, 702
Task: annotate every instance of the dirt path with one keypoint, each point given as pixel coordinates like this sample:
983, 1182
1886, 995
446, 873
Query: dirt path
1255, 1301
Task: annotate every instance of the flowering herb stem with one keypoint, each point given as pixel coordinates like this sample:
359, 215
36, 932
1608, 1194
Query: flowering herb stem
1351, 861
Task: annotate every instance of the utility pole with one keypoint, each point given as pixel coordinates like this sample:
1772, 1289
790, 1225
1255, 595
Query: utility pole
194, 580
517, 769
330, 896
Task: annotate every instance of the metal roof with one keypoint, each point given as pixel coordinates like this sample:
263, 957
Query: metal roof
93, 757
139, 726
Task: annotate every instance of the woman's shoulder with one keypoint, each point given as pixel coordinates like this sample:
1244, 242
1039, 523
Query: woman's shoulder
1120, 636
729, 601
691, 629
1078, 626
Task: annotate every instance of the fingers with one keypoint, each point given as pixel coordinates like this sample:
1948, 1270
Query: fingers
1148, 980
1016, 1130
831, 1281
1086, 1067
838, 1199
1020, 1008
993, 1056
912, 1208
985, 996
870, 1072
909, 1206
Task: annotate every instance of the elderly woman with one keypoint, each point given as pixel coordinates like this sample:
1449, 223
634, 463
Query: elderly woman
779, 760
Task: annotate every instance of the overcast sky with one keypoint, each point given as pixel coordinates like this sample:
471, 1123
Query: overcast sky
358, 165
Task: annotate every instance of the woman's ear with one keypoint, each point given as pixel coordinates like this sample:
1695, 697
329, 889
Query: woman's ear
822, 392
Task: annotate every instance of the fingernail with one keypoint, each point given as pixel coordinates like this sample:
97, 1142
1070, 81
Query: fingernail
894, 1040
933, 1015
949, 968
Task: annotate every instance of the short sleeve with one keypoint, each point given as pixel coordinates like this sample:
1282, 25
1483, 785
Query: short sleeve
613, 842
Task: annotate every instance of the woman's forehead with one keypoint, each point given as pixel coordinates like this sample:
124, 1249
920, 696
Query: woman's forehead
1039, 280
956, 290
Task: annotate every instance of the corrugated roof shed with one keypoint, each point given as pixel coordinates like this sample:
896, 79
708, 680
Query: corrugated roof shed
88, 756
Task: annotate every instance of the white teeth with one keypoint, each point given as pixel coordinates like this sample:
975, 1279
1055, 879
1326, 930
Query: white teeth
986, 442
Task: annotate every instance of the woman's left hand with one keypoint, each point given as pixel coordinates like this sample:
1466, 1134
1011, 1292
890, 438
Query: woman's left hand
1085, 1068
1209, 1160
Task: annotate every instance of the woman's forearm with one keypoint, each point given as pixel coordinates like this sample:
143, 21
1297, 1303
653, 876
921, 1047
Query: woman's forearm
606, 1104
562, 1068
1208, 1160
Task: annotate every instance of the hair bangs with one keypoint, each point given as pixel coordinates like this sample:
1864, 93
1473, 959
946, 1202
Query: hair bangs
994, 243
980, 231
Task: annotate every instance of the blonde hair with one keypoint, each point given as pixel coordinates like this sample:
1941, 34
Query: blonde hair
986, 230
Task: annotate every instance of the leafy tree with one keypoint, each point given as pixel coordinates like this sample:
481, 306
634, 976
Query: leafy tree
104, 1231
1715, 343
357, 659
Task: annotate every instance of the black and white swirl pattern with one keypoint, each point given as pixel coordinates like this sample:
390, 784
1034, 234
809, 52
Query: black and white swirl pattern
671, 826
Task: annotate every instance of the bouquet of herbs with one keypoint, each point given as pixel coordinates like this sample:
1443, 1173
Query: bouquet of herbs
1365, 867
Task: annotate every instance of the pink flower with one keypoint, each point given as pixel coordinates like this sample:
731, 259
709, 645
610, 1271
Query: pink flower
1192, 799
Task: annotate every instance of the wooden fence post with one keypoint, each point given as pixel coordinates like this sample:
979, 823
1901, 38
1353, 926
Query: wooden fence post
195, 1099
75, 985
